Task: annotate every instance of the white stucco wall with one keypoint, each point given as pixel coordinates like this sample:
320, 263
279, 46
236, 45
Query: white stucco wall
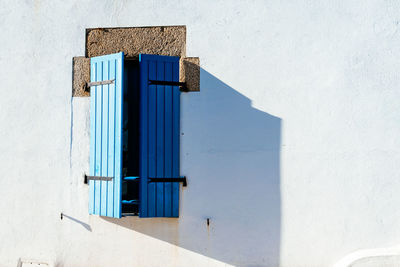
291, 147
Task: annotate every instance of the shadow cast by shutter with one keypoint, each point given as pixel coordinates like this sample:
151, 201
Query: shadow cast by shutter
230, 153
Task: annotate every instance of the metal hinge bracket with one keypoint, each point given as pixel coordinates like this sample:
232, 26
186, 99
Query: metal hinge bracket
181, 179
182, 85
88, 85
97, 178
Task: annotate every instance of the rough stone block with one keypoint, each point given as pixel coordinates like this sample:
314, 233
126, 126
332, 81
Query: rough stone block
80, 76
190, 73
161, 40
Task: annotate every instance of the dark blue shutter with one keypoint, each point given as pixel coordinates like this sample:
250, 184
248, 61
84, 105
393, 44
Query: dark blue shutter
106, 135
159, 136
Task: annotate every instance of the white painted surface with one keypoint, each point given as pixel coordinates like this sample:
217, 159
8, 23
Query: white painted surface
291, 147
371, 257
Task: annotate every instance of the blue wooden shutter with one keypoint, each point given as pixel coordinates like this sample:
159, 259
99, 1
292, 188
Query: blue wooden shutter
159, 136
106, 135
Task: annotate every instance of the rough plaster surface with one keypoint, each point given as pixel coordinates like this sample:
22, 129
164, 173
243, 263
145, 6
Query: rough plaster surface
80, 76
291, 148
166, 41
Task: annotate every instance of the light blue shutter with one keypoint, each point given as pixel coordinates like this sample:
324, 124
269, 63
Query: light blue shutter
106, 135
159, 136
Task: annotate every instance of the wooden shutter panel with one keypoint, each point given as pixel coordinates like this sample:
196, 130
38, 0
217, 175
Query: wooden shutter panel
159, 136
106, 135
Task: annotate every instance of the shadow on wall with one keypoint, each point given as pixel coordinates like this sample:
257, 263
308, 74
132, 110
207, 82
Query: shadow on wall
230, 153
84, 225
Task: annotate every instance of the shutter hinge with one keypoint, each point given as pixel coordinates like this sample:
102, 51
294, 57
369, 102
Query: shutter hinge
181, 179
88, 85
97, 178
182, 85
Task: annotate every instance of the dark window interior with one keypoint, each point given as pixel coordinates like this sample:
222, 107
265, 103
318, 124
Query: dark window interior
131, 138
